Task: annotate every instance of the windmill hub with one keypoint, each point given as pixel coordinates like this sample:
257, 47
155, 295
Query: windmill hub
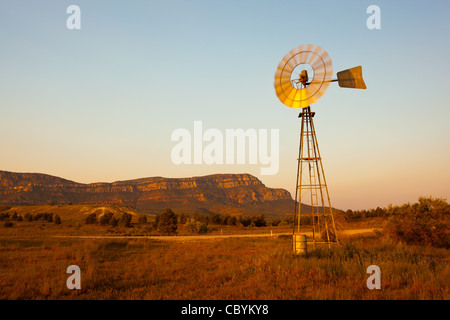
304, 77
301, 75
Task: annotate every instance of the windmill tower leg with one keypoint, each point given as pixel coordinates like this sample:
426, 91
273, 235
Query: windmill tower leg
313, 188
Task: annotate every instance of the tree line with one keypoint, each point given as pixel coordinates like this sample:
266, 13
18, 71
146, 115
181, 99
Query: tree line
9, 218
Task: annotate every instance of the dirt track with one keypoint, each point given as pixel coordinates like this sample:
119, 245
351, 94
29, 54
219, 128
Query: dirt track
210, 237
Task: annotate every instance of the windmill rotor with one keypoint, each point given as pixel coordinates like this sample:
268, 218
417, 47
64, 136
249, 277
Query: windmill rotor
290, 86
304, 74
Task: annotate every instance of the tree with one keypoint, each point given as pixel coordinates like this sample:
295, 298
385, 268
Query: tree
232, 221
259, 221
105, 218
49, 217
276, 222
142, 219
245, 221
216, 218
125, 220
182, 218
91, 218
167, 223
57, 219
113, 222
156, 222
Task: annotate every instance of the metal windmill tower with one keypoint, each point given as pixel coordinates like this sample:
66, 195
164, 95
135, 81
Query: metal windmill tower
302, 77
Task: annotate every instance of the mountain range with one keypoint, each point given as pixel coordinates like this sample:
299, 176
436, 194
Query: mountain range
219, 193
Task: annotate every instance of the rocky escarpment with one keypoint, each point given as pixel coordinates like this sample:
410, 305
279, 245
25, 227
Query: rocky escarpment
208, 192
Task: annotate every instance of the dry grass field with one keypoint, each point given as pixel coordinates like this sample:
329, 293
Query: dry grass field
33, 265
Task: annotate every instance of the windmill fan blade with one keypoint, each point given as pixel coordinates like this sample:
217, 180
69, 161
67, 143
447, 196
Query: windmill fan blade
351, 78
306, 53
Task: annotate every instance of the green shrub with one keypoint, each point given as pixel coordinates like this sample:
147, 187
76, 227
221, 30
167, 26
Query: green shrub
425, 223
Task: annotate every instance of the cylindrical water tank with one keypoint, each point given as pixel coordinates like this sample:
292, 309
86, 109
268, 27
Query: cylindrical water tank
300, 244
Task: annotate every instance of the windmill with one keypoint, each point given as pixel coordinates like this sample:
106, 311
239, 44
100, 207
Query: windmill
302, 77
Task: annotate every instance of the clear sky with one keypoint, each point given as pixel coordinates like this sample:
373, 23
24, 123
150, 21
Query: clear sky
100, 103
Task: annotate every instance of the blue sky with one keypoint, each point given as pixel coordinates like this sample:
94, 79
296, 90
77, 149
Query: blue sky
100, 103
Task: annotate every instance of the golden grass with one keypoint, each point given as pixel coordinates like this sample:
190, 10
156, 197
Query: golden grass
34, 266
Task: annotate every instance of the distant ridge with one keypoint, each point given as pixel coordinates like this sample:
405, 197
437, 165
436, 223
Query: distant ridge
218, 193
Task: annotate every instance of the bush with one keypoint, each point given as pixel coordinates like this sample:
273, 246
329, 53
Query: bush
193, 226
197, 227
324, 236
306, 220
4, 208
426, 222
204, 228
4, 216
288, 221
8, 224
